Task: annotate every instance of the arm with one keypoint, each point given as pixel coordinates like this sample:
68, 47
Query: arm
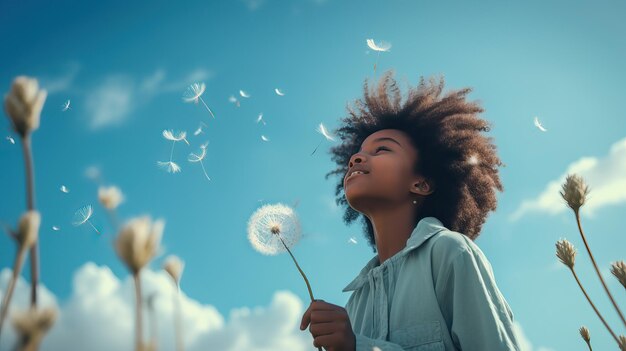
476, 312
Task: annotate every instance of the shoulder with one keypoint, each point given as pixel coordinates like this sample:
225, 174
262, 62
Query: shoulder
448, 246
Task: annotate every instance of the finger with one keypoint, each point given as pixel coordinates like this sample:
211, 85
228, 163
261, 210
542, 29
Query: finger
323, 316
323, 305
319, 329
306, 318
329, 342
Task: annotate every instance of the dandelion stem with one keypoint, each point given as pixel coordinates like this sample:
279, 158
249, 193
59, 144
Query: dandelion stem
207, 107
594, 306
589, 344
177, 321
30, 200
172, 150
318, 145
138, 325
94, 228
204, 170
596, 268
376, 63
17, 267
298, 266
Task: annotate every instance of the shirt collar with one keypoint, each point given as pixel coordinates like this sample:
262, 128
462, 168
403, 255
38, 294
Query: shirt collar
426, 228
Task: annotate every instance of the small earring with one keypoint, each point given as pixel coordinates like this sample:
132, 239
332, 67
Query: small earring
414, 202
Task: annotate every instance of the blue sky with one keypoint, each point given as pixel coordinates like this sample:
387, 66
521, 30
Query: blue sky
125, 68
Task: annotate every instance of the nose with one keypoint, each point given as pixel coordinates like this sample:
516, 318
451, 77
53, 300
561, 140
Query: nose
356, 158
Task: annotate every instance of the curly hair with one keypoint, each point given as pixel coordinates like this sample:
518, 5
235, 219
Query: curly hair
446, 131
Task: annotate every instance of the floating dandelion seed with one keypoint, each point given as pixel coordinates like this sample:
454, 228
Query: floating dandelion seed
11, 140
233, 99
200, 129
198, 158
56, 228
264, 138
322, 130
279, 92
64, 189
244, 94
539, 125
82, 216
260, 119
194, 93
66, 106
380, 47
171, 166
352, 240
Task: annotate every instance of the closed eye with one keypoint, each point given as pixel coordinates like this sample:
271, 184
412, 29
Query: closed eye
382, 148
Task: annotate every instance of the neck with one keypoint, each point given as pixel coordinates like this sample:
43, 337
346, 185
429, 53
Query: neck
392, 229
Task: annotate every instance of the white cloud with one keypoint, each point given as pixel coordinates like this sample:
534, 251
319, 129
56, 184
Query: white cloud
605, 176
100, 315
60, 83
111, 102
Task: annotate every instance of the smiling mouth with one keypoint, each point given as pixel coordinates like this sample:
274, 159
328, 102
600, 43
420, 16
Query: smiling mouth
355, 174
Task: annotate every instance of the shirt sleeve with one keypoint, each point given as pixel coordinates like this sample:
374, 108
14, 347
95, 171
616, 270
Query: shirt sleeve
477, 314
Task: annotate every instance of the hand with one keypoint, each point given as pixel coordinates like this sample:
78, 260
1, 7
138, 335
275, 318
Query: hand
330, 326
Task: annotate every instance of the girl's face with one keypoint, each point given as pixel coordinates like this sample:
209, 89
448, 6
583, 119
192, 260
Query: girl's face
385, 172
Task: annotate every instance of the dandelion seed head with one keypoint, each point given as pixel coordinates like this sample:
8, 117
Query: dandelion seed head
269, 224
194, 92
169, 166
82, 215
138, 242
34, 322
381, 46
322, 130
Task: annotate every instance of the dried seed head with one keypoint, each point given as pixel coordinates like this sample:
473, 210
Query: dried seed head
32, 325
619, 270
28, 230
584, 332
574, 191
138, 241
622, 342
110, 197
23, 104
174, 267
566, 252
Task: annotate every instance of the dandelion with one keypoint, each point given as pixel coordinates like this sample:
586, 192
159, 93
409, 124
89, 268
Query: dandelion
279, 92
539, 125
194, 93
136, 245
619, 271
199, 130
584, 333
66, 106
11, 140
32, 325
566, 253
380, 47
82, 216
199, 158
260, 119
232, 99
244, 94
110, 197
272, 229
24, 103
170, 165
174, 267
64, 189
264, 138
322, 130
26, 237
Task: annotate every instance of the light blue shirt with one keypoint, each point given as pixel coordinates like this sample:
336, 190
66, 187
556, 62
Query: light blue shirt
438, 293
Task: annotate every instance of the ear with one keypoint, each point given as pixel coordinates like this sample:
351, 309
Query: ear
422, 187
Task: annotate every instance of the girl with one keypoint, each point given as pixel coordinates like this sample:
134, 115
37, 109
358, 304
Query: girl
422, 177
